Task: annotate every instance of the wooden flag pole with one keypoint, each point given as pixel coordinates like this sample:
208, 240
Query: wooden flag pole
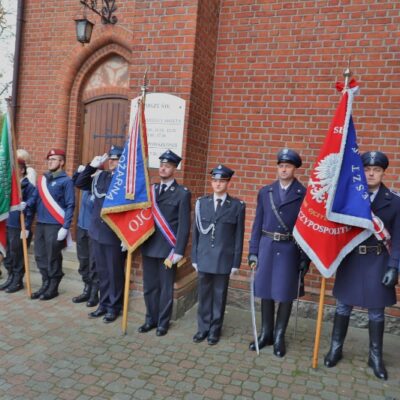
319, 323
22, 216
126, 292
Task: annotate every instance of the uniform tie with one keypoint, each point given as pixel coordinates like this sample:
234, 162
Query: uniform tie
163, 187
219, 205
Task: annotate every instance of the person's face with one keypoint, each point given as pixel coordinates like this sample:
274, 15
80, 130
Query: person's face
166, 170
286, 171
220, 186
112, 163
55, 163
374, 175
22, 171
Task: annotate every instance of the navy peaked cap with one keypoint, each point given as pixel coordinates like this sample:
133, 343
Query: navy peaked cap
221, 172
375, 158
115, 152
170, 156
289, 156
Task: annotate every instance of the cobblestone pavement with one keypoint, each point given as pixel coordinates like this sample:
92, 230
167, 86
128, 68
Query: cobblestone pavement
51, 350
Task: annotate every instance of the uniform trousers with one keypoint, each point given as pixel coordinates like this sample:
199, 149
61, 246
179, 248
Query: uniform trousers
87, 266
48, 251
110, 261
14, 260
158, 291
212, 293
374, 314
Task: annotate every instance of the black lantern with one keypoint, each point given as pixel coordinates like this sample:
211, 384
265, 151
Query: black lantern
84, 30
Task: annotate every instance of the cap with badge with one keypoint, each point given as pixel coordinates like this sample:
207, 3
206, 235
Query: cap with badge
115, 152
170, 157
55, 152
289, 156
375, 158
222, 172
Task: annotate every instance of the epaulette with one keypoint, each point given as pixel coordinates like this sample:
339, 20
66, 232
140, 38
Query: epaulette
395, 193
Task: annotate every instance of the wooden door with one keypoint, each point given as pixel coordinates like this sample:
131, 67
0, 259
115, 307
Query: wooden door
105, 123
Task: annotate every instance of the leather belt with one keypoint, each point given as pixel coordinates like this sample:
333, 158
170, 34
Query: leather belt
363, 249
278, 237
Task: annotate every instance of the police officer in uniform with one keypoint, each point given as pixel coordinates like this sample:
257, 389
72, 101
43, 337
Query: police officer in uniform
217, 244
108, 255
173, 202
368, 275
56, 191
272, 250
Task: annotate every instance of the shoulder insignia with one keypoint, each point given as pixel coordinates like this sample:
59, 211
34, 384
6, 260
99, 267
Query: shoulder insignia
185, 188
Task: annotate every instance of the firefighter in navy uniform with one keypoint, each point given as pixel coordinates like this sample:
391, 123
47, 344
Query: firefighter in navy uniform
173, 203
55, 209
278, 259
368, 275
217, 244
108, 255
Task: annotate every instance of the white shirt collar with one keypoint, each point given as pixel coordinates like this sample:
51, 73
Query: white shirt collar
223, 198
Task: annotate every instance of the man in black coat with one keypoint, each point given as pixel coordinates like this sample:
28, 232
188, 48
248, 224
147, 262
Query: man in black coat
368, 275
217, 245
166, 246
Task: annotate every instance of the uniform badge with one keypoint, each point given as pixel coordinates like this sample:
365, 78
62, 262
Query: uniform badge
53, 183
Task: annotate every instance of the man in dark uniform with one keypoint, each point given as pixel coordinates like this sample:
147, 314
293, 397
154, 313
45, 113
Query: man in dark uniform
173, 204
368, 275
217, 245
14, 261
108, 255
272, 250
55, 209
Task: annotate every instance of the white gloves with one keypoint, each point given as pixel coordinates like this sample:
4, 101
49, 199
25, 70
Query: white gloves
195, 267
99, 160
80, 168
176, 258
22, 205
26, 234
234, 271
123, 247
62, 234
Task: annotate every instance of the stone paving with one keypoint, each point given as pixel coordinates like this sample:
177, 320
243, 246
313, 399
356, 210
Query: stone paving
51, 350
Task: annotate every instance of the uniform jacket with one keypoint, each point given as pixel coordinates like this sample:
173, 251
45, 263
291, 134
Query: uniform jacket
174, 204
85, 207
98, 229
62, 190
219, 251
278, 261
359, 276
29, 196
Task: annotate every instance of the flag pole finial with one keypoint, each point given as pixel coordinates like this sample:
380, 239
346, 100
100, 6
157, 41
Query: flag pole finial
347, 74
144, 85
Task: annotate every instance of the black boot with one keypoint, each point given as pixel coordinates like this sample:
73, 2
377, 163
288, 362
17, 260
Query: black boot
43, 288
282, 319
375, 360
7, 283
84, 296
52, 290
94, 296
266, 337
340, 325
15, 285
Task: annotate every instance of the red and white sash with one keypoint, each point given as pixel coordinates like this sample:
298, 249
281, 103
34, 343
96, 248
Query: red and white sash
51, 205
380, 232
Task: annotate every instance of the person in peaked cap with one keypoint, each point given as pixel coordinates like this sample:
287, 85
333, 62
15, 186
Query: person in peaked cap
278, 260
55, 209
217, 244
368, 275
160, 257
109, 257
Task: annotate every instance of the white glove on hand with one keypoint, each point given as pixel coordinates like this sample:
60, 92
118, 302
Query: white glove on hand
26, 234
176, 258
22, 205
195, 267
80, 169
234, 271
62, 234
123, 247
99, 160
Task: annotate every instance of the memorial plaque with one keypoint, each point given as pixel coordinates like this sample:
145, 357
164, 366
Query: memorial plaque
165, 119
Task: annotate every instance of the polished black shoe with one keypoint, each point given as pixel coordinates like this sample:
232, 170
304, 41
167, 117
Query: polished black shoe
94, 297
212, 340
7, 283
15, 287
161, 331
199, 337
99, 312
84, 296
43, 288
110, 317
146, 328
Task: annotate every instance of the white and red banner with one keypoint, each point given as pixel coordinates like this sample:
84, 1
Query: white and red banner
336, 212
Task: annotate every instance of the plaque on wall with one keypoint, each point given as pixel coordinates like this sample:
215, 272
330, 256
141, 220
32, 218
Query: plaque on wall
165, 119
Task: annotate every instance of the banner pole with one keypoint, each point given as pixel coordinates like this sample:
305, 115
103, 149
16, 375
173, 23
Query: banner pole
319, 323
126, 292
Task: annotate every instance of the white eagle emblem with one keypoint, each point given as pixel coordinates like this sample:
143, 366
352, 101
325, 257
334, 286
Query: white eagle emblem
324, 174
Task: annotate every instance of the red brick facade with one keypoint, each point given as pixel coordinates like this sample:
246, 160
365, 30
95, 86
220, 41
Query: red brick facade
257, 75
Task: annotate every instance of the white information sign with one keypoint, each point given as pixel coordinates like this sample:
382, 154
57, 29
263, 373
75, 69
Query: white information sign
165, 119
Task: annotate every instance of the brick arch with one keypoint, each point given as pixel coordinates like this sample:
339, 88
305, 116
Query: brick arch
76, 73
